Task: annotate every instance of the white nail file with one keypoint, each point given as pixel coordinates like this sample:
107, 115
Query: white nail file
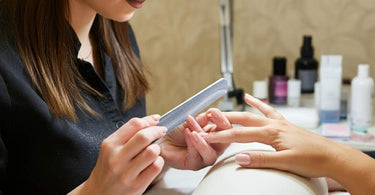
194, 105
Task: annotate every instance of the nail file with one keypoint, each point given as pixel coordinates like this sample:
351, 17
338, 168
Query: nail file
194, 105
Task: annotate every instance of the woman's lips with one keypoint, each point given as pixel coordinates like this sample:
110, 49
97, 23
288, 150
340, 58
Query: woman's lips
136, 3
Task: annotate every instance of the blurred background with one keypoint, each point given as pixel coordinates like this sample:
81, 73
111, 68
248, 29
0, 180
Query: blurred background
179, 41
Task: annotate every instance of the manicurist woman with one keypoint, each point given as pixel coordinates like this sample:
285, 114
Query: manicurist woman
72, 106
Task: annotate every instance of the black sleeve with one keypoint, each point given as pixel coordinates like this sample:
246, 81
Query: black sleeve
133, 41
371, 153
5, 113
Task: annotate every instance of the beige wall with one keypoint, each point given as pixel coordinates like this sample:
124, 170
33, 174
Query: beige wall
180, 40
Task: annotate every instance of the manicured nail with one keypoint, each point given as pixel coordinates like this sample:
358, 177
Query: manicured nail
203, 134
215, 114
243, 159
213, 128
189, 118
249, 96
193, 123
156, 117
209, 114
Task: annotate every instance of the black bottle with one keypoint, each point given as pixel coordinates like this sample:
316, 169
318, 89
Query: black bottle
306, 66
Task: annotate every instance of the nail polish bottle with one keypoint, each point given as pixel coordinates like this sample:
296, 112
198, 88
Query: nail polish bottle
278, 82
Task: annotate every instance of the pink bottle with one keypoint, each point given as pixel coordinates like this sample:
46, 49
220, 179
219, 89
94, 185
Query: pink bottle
278, 83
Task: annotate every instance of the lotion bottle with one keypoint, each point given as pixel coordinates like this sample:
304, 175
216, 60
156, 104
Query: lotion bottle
330, 88
362, 93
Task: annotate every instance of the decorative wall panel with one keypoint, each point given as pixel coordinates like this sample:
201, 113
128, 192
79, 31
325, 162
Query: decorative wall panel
180, 40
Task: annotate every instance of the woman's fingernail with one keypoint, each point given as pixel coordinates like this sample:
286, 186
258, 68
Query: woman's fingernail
249, 96
156, 117
213, 128
215, 114
203, 134
192, 123
243, 159
189, 119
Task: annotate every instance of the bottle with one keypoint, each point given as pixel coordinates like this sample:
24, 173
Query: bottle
260, 90
344, 102
278, 86
362, 94
306, 67
294, 93
317, 95
330, 88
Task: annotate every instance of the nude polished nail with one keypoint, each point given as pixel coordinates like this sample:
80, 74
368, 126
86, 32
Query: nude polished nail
243, 159
203, 134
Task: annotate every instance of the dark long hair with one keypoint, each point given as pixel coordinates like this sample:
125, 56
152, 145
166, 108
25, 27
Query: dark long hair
45, 42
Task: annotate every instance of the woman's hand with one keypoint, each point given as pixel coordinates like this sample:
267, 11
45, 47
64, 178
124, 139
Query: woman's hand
128, 160
297, 150
184, 148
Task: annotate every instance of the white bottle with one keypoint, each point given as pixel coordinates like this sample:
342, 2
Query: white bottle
294, 93
330, 88
260, 90
362, 94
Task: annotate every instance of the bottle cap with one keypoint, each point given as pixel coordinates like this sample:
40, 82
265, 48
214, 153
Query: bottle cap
307, 50
294, 88
279, 66
260, 89
363, 70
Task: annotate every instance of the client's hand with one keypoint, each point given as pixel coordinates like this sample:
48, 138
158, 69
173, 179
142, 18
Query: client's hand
298, 150
183, 148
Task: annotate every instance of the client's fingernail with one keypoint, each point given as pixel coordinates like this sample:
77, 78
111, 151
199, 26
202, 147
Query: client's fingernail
215, 114
203, 134
243, 159
249, 96
156, 117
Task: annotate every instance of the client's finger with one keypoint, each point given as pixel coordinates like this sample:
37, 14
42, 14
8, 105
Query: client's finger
242, 135
246, 119
193, 125
266, 109
209, 128
217, 117
202, 119
261, 159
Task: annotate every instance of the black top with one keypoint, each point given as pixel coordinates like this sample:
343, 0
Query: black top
44, 154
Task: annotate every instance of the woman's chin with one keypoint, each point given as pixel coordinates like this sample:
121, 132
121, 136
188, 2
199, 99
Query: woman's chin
123, 18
